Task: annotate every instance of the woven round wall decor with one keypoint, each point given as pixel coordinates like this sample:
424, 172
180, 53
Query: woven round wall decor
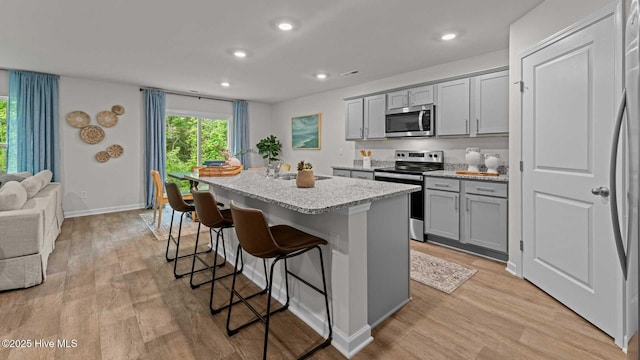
102, 156
115, 150
78, 119
92, 134
107, 118
118, 109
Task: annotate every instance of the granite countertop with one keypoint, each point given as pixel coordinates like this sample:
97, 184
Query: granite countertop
328, 195
453, 175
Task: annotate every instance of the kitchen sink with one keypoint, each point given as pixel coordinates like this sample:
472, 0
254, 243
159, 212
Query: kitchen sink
293, 176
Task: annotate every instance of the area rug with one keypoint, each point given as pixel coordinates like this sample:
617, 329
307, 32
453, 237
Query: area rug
438, 273
188, 226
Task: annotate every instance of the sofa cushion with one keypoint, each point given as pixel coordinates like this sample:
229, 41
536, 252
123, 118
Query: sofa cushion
13, 196
33, 185
5, 178
44, 176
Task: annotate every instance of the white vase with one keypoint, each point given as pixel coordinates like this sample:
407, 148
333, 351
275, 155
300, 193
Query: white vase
366, 162
492, 161
473, 158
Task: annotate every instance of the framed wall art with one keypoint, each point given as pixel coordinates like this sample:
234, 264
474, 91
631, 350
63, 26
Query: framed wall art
306, 132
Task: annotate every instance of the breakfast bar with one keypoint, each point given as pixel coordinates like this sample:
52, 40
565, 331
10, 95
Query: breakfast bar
365, 223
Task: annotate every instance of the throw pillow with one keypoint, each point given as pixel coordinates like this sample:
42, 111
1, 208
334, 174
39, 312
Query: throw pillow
44, 176
13, 196
33, 185
5, 178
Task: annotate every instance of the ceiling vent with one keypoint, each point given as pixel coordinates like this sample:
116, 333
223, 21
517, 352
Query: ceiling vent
349, 73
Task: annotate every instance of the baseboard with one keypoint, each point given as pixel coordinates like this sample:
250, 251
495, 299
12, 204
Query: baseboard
72, 214
360, 339
512, 268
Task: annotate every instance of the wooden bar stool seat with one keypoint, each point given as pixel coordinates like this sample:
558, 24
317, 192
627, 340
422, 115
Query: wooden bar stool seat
278, 242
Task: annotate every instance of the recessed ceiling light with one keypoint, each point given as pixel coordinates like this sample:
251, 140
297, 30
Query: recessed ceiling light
225, 84
449, 36
240, 53
285, 26
321, 76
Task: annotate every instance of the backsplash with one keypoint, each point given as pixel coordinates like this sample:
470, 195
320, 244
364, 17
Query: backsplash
502, 170
375, 163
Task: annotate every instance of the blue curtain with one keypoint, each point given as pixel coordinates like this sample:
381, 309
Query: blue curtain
33, 136
155, 149
241, 131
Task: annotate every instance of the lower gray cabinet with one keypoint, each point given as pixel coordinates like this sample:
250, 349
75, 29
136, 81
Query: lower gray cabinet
470, 215
485, 222
441, 215
356, 174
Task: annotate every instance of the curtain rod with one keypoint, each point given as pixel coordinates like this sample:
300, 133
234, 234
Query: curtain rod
190, 95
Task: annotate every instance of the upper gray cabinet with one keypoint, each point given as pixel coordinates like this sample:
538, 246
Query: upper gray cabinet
452, 108
397, 99
422, 95
364, 118
374, 117
491, 110
354, 119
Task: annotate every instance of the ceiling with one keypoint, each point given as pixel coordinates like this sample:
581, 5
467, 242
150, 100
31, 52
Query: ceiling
187, 45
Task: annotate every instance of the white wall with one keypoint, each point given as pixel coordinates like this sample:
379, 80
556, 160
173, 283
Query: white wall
337, 151
543, 21
118, 183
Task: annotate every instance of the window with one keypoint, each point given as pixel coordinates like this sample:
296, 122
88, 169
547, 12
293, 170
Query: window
3, 134
193, 139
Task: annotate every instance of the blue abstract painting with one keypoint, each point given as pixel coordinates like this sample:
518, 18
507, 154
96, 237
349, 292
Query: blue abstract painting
306, 131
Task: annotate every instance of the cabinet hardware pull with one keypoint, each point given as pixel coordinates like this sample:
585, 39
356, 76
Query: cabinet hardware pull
361, 133
477, 125
456, 203
485, 189
466, 125
441, 185
467, 205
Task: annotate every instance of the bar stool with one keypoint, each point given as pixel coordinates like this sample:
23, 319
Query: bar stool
217, 220
278, 242
178, 204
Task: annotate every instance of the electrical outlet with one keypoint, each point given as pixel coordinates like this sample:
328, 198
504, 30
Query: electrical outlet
84, 195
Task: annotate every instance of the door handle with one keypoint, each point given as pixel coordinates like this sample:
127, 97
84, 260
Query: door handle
615, 220
601, 191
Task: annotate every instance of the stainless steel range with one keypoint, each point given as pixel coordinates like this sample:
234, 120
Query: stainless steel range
408, 169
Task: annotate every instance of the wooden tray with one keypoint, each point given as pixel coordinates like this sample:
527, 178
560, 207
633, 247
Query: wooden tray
475, 173
222, 170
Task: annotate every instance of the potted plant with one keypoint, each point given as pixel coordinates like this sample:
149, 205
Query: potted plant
305, 178
269, 148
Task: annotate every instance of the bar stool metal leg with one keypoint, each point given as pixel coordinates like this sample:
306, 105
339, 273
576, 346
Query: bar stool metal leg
219, 234
234, 274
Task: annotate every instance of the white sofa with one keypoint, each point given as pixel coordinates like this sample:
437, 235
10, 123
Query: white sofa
27, 237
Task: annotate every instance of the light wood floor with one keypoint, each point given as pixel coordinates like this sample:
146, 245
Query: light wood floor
110, 288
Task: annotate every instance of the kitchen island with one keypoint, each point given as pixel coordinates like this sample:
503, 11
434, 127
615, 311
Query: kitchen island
366, 261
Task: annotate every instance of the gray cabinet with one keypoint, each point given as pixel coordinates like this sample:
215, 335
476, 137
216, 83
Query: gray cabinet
441, 213
374, 117
452, 108
356, 174
491, 108
421, 95
364, 118
485, 222
470, 215
354, 119
397, 99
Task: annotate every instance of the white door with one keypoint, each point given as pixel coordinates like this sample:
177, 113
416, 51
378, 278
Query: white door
568, 110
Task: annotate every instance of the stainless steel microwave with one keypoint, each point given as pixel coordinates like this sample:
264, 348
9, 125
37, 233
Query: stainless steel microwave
410, 121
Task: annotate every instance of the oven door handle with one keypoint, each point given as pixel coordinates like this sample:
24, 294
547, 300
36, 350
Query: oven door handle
382, 175
420, 117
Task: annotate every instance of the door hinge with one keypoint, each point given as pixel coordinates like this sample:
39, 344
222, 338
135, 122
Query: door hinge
521, 245
521, 166
521, 86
